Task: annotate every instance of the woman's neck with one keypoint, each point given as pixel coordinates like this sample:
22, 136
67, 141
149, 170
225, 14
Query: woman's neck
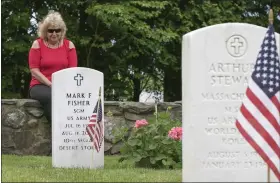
52, 44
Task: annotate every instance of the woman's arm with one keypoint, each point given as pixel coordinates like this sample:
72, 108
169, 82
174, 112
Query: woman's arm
40, 77
34, 64
72, 55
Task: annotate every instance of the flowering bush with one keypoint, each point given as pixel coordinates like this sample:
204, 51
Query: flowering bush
153, 143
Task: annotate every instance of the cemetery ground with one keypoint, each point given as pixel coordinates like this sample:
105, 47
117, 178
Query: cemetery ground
39, 169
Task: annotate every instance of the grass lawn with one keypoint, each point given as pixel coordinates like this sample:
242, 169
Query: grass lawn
39, 169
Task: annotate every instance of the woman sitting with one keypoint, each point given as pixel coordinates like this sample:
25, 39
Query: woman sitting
49, 53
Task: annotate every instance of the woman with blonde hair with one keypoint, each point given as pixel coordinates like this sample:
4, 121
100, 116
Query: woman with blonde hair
49, 53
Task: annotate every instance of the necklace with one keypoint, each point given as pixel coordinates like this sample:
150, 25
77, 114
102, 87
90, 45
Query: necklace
54, 46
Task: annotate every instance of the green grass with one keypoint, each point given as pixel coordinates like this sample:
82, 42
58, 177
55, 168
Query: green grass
39, 169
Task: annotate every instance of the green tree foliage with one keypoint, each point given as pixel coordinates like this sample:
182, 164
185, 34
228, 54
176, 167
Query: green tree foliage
15, 39
135, 43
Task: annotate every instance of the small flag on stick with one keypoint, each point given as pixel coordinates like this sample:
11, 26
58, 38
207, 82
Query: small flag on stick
95, 127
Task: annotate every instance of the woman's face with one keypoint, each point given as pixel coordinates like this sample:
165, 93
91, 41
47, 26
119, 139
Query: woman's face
54, 33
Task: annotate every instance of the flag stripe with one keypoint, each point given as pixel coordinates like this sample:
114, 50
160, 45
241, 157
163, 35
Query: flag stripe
258, 106
93, 118
90, 131
275, 101
259, 150
97, 127
258, 139
101, 134
266, 101
96, 133
261, 118
259, 128
92, 134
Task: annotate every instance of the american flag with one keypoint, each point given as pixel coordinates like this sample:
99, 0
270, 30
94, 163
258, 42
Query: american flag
95, 127
258, 118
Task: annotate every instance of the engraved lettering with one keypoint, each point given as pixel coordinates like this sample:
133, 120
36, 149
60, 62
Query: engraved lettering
221, 164
83, 118
226, 80
68, 147
79, 110
67, 133
233, 141
87, 147
84, 140
75, 95
222, 96
78, 103
221, 131
231, 68
69, 126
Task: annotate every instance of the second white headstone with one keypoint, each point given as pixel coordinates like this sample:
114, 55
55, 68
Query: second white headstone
217, 63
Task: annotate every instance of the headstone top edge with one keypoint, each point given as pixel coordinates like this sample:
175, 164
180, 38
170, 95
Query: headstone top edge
73, 68
222, 25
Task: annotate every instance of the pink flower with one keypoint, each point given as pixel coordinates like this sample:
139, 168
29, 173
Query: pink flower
140, 123
176, 133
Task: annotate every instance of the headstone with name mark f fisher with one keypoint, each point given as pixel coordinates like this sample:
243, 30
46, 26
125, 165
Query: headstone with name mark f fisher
78, 118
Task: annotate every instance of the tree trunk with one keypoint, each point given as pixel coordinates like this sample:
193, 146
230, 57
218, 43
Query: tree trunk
136, 89
25, 89
172, 86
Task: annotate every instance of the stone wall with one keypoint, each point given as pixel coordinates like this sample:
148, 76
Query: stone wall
25, 130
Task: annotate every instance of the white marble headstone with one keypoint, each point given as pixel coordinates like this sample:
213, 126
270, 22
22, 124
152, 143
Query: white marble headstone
151, 97
217, 62
75, 92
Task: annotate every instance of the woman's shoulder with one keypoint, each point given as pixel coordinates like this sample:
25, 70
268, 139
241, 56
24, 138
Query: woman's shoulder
36, 43
69, 43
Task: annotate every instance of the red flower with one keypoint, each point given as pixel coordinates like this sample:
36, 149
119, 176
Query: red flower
140, 123
176, 133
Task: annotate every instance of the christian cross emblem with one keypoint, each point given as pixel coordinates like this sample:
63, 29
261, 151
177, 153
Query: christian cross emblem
79, 79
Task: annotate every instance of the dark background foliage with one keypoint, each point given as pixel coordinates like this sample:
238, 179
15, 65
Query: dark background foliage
135, 43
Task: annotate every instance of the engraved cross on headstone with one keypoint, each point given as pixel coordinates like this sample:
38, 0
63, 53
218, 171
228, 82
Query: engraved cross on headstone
236, 44
79, 79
